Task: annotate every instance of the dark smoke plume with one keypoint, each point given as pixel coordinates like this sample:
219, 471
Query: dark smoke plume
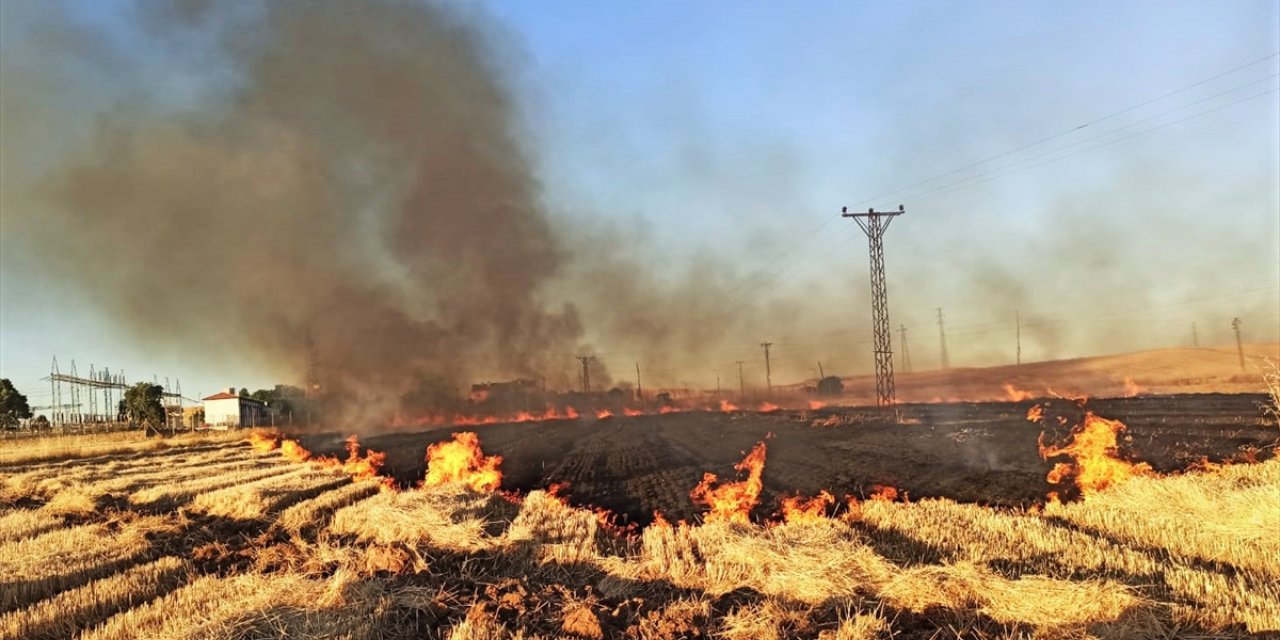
358, 181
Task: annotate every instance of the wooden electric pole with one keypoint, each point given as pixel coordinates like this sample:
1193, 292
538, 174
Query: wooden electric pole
1017, 318
942, 342
906, 353
1235, 324
768, 372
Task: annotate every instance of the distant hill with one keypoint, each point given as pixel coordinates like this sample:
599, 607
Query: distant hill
1175, 370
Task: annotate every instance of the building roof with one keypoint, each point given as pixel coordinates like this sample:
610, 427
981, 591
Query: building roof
229, 396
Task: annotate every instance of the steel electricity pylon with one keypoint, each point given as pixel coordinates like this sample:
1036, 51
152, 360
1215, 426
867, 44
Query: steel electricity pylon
586, 371
874, 224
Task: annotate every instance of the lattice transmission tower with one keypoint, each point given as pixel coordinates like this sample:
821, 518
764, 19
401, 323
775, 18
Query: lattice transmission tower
874, 224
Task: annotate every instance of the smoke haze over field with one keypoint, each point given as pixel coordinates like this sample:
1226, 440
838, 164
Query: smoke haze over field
363, 174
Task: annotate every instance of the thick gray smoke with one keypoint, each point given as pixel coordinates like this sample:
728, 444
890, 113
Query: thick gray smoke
358, 181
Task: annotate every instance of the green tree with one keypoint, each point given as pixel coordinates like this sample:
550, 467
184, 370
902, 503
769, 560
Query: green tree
13, 405
283, 398
142, 403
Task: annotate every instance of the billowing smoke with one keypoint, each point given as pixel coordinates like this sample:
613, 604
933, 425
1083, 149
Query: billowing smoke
354, 195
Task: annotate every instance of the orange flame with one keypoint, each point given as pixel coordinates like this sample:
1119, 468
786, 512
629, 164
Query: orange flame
359, 467
263, 442
461, 460
1035, 413
603, 413
293, 451
768, 407
733, 501
799, 509
727, 406
632, 412
816, 404
884, 493
1093, 446
659, 521
1131, 388
362, 467
1015, 394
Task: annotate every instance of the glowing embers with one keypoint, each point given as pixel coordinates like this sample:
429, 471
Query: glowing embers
733, 501
461, 460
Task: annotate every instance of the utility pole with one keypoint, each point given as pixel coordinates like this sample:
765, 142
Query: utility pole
1195, 336
874, 224
821, 374
586, 372
717, 372
1018, 320
942, 341
906, 353
768, 373
312, 383
1235, 324
639, 389
742, 386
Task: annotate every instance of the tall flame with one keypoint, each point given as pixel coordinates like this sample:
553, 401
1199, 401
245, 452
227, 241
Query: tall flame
364, 467
1093, 448
733, 501
461, 460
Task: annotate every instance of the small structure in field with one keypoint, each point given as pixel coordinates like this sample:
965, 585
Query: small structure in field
229, 409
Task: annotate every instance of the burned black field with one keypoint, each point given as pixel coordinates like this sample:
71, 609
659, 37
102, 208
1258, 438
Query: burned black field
979, 452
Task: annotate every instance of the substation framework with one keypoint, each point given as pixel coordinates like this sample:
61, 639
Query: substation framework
95, 399
874, 224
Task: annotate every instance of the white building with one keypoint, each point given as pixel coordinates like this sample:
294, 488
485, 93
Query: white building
228, 409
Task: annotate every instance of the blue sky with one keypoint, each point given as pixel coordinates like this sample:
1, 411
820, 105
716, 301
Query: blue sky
736, 131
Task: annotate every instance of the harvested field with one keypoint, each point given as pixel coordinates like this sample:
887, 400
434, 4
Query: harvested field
234, 540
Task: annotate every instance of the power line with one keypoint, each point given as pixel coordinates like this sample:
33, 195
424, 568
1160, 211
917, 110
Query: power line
1076, 128
840, 240
984, 178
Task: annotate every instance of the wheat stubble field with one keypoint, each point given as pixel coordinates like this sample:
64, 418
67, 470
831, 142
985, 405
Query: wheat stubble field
224, 537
